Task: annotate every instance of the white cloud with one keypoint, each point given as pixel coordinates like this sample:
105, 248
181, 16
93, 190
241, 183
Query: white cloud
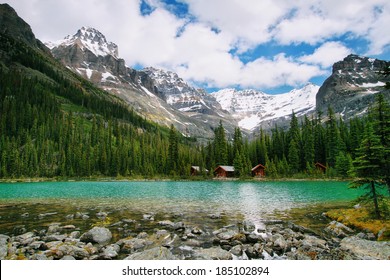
248, 21
327, 54
192, 47
281, 70
317, 21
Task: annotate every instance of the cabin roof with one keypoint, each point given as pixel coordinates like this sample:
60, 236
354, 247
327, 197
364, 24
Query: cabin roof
320, 165
226, 168
258, 166
197, 168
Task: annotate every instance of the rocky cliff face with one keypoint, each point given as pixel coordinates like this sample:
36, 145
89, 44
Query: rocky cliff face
352, 87
179, 94
11, 24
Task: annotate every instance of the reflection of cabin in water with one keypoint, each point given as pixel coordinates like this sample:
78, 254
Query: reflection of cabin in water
258, 171
224, 171
320, 167
195, 170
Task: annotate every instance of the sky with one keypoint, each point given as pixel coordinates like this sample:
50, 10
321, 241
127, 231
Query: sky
268, 45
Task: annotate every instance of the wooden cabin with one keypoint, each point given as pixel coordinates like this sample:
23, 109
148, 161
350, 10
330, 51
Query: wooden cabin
224, 171
258, 171
195, 170
320, 167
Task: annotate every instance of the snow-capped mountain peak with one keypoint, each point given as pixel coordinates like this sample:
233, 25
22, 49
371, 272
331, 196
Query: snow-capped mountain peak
251, 107
91, 39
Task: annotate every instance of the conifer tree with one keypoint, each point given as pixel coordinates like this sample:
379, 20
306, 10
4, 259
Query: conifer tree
381, 121
368, 168
220, 145
173, 150
332, 138
293, 157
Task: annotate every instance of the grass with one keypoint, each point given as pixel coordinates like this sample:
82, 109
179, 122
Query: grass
361, 219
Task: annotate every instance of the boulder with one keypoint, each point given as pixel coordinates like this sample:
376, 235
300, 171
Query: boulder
110, 252
26, 236
54, 237
3, 246
214, 253
196, 230
148, 217
132, 245
158, 253
249, 226
279, 242
225, 233
67, 258
366, 249
75, 234
54, 228
44, 215
69, 227
237, 250
254, 238
338, 229
71, 250
311, 241
98, 235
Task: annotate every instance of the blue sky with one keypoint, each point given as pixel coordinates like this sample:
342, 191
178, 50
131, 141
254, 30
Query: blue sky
269, 45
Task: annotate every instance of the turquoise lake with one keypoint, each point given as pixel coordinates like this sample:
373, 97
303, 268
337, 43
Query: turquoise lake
26, 203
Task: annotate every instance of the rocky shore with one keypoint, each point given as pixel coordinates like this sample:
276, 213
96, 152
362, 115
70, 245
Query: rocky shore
156, 239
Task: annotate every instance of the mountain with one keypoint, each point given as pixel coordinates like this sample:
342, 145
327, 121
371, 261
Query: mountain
55, 123
13, 25
159, 95
177, 93
164, 97
253, 109
352, 87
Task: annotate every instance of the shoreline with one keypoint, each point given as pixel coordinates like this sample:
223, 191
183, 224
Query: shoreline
197, 179
159, 236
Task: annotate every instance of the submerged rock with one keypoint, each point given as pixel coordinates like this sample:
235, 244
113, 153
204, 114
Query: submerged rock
249, 226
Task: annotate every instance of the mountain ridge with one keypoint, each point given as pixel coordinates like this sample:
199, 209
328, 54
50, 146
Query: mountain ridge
255, 108
182, 104
352, 86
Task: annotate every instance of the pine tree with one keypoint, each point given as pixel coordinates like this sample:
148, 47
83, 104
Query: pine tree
293, 157
308, 142
173, 150
332, 138
368, 168
381, 120
220, 145
343, 164
319, 141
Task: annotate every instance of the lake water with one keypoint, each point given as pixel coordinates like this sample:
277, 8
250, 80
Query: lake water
35, 205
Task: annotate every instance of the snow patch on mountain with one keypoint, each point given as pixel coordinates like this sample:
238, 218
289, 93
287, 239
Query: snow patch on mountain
89, 38
251, 107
